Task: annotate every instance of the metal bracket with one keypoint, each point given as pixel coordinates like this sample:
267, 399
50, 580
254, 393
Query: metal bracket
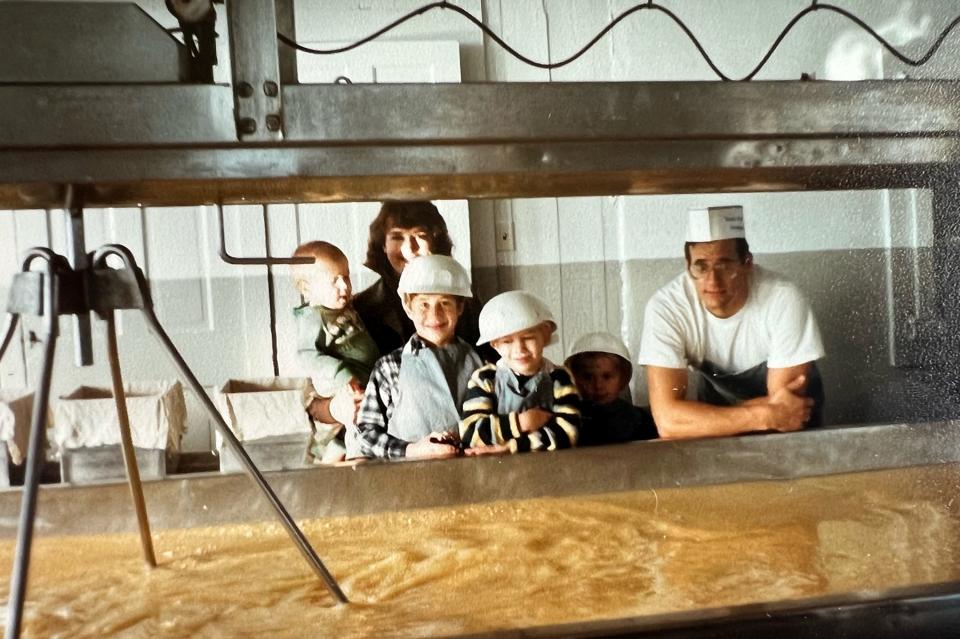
256, 70
264, 261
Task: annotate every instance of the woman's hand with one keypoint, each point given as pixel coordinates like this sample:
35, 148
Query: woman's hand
345, 403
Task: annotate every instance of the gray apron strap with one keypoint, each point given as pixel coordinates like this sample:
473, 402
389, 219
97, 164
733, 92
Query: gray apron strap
727, 389
535, 392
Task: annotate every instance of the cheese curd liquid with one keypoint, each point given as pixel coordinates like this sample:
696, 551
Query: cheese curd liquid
506, 564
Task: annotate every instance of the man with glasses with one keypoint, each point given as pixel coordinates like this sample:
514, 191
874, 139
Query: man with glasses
747, 334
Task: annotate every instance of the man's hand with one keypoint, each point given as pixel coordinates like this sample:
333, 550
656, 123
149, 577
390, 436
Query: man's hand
532, 419
788, 410
435, 449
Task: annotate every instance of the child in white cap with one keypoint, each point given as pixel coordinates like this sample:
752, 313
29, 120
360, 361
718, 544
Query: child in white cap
523, 402
602, 369
333, 348
411, 405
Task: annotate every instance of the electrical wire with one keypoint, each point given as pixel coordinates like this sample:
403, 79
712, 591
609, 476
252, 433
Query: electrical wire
652, 6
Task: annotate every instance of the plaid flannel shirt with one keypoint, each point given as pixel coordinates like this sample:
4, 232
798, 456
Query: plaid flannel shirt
376, 410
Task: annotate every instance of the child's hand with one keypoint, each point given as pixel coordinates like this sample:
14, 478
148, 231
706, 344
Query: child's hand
533, 419
427, 449
496, 449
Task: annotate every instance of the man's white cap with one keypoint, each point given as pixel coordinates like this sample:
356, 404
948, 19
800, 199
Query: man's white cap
715, 223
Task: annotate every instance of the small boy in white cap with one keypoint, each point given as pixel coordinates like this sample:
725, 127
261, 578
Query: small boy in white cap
411, 405
523, 402
600, 363
747, 335
333, 347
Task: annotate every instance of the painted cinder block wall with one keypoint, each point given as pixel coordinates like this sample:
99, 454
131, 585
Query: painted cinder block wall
596, 260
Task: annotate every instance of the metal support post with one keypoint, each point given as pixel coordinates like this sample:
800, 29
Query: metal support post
77, 255
256, 70
126, 439
286, 24
38, 422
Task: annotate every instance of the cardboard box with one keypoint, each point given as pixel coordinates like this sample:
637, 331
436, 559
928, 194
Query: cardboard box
269, 416
87, 417
16, 408
91, 465
283, 452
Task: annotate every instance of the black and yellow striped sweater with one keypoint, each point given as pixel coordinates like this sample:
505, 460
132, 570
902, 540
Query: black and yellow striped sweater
496, 396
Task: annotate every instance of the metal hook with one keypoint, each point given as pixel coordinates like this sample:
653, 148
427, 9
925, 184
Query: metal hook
263, 261
42, 253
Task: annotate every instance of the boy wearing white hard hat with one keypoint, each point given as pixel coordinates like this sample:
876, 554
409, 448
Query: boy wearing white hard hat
523, 402
600, 363
746, 334
411, 404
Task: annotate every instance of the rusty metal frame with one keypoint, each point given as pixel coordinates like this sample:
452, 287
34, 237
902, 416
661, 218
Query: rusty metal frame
177, 145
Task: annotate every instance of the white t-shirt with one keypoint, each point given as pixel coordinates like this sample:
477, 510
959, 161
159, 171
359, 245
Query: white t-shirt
775, 325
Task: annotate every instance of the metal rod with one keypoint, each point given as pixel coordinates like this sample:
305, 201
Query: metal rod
251, 261
295, 533
9, 329
21, 562
77, 256
129, 456
303, 545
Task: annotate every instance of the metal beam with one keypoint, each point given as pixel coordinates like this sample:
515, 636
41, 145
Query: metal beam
187, 176
165, 145
103, 116
617, 111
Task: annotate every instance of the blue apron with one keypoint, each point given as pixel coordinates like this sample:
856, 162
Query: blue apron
431, 393
535, 392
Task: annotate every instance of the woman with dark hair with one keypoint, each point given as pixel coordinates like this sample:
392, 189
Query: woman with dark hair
401, 232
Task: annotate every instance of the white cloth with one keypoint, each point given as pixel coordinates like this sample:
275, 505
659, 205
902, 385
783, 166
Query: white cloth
775, 325
87, 417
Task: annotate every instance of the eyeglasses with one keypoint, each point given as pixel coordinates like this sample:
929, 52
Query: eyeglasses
724, 269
